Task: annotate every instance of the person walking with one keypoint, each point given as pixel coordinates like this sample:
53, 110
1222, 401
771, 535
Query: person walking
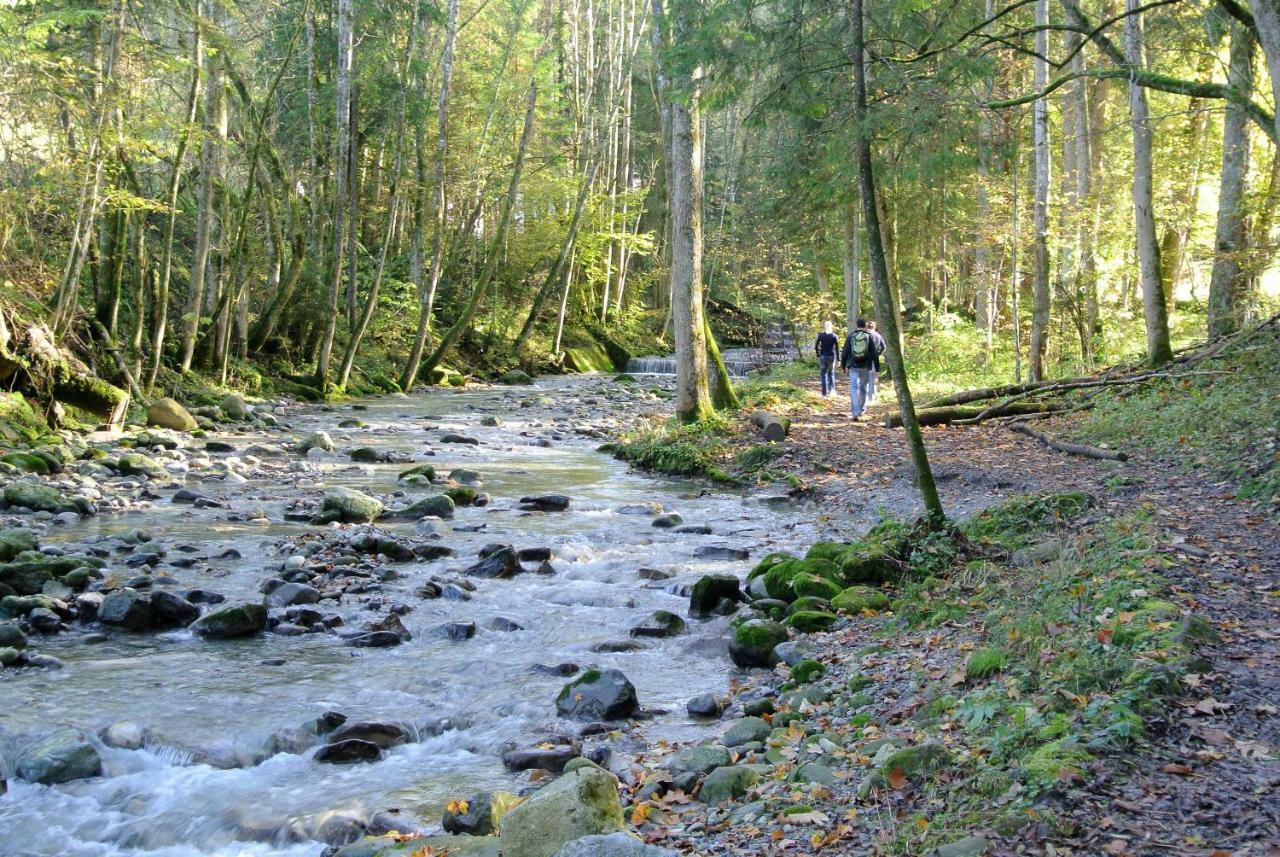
825, 347
875, 370
857, 360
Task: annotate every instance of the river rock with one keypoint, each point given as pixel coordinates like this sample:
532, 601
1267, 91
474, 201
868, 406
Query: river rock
497, 623
14, 542
44, 620
171, 610
456, 630
349, 752
124, 735
534, 554
128, 609
545, 758
709, 591
501, 563
581, 803
436, 506
375, 640
290, 594
697, 760
726, 783
380, 733
11, 636
167, 413
598, 695
451, 437
661, 623
316, 440
754, 641
236, 621
234, 407
63, 756
516, 376
391, 623
476, 820
463, 476
705, 705
667, 521
37, 498
613, 845
350, 506
745, 731
545, 503
721, 552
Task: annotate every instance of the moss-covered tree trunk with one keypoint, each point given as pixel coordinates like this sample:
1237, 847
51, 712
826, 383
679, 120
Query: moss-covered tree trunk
723, 396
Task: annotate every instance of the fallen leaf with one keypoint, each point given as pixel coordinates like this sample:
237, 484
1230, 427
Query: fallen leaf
1175, 768
897, 779
1116, 846
1104, 636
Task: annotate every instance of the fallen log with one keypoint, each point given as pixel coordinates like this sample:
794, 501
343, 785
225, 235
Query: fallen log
939, 416
1070, 448
31, 361
775, 428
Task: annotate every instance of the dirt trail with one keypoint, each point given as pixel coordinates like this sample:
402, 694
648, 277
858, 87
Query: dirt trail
1208, 782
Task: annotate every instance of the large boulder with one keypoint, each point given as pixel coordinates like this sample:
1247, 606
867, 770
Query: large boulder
38, 498
171, 610
14, 542
754, 641
516, 376
708, 592
128, 609
167, 413
436, 506
63, 756
239, 620
613, 845
234, 407
855, 599
350, 506
581, 803
598, 695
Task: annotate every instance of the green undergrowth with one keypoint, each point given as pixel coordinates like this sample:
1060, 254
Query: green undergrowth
1077, 651
1223, 421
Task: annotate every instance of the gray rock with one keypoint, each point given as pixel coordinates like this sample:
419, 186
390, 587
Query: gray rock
969, 846
705, 705
125, 735
545, 502
11, 636
727, 783
697, 760
745, 731
708, 592
63, 756
349, 752
383, 734
350, 506
721, 552
290, 594
578, 804
457, 630
438, 506
598, 695
476, 821
661, 623
316, 440
501, 563
167, 413
546, 758
128, 609
375, 640
233, 405
171, 610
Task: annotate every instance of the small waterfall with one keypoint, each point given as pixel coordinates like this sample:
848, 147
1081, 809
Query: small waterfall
667, 366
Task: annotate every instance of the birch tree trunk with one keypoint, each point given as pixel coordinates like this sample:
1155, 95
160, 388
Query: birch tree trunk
1041, 307
1226, 283
1154, 312
886, 310
693, 401
851, 264
341, 185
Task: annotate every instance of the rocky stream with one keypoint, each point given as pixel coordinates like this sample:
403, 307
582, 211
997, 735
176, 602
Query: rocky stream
227, 659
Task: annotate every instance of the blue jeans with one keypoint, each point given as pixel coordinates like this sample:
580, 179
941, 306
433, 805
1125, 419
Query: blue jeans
859, 385
827, 374
871, 391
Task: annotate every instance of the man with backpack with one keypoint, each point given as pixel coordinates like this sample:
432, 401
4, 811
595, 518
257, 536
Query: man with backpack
825, 348
858, 360
875, 372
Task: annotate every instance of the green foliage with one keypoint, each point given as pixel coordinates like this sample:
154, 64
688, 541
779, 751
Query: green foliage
1221, 421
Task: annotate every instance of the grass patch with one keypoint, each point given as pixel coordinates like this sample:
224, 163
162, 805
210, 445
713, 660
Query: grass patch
1224, 421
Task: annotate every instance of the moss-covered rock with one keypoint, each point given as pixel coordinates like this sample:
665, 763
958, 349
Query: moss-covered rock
830, 551
26, 462
167, 413
806, 671
19, 422
437, 506
14, 542
137, 464
63, 756
708, 592
350, 506
38, 498
769, 561
598, 695
809, 621
779, 580
516, 376
754, 641
915, 763
813, 586
808, 602
729, 782
855, 599
697, 760
236, 621
581, 803
419, 470
587, 358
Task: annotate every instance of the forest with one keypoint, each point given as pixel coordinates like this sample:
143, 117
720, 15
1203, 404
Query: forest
414, 440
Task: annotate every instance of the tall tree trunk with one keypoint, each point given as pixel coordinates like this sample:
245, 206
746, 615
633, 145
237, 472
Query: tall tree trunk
851, 263
393, 211
341, 186
723, 396
1159, 351
1266, 16
1173, 243
1226, 283
160, 311
1041, 308
211, 160
692, 399
885, 308
427, 296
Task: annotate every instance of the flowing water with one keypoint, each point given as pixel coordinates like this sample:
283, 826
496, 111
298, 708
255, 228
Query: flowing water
208, 707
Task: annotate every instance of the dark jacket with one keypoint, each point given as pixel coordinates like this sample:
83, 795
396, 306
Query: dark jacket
826, 344
880, 346
867, 361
